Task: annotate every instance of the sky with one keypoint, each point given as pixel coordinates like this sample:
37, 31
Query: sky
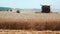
30, 4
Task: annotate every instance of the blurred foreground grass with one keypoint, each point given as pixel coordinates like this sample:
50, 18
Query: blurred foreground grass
27, 32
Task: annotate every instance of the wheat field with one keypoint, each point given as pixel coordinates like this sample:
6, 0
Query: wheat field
29, 23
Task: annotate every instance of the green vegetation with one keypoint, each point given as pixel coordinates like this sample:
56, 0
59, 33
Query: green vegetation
5, 8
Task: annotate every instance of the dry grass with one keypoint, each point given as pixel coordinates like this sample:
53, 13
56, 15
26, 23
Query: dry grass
27, 32
29, 21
